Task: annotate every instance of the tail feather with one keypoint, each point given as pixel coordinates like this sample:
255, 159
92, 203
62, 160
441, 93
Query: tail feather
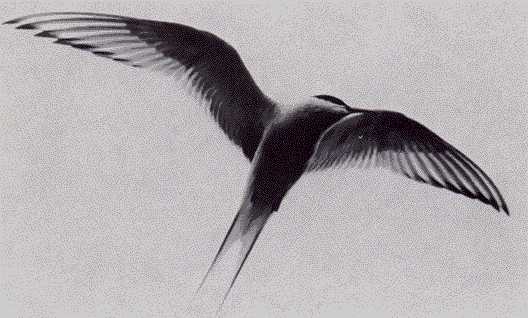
231, 256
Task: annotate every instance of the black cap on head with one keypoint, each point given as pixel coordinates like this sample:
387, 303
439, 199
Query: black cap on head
331, 99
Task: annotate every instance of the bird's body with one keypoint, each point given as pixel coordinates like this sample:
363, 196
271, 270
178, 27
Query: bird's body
285, 149
281, 142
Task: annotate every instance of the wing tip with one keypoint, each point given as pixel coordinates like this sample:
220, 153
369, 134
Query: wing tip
82, 46
103, 53
20, 19
27, 26
505, 209
12, 21
64, 13
46, 34
499, 206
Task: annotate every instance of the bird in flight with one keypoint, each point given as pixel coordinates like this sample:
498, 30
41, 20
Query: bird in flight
282, 143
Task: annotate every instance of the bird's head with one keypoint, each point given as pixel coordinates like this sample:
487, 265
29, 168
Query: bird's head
332, 102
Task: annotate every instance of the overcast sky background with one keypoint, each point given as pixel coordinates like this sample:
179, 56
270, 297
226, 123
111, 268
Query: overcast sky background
116, 189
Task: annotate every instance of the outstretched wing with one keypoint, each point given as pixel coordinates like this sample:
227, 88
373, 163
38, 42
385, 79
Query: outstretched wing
391, 140
212, 67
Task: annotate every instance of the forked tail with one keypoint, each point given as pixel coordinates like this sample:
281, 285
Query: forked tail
229, 259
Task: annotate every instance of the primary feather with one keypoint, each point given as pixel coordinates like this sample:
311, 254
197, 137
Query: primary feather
212, 66
394, 141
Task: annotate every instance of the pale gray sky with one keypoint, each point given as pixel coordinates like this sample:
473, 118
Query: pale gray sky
116, 189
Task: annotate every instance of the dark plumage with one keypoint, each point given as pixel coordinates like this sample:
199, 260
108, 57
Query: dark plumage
319, 133
331, 99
